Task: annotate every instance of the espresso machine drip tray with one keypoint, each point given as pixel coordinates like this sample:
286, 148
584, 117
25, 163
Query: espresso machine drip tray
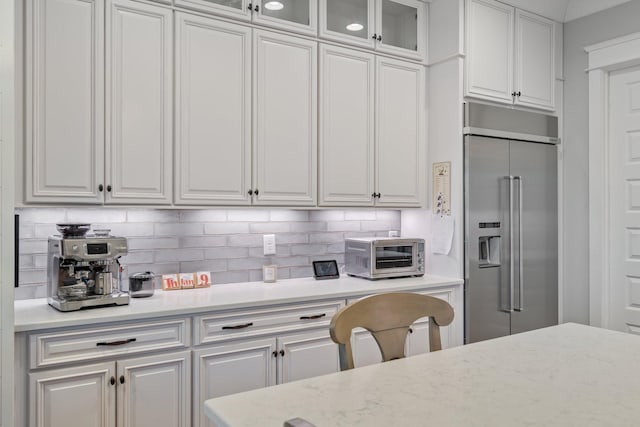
77, 303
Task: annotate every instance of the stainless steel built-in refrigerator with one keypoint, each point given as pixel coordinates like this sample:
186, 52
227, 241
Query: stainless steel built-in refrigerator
511, 221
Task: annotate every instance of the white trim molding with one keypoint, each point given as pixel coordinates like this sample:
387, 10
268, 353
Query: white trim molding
604, 58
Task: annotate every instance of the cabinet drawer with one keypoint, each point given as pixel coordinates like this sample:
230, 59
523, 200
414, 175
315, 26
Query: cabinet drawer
52, 348
240, 324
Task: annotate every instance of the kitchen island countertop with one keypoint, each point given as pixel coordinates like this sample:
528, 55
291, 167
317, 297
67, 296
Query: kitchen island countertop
36, 314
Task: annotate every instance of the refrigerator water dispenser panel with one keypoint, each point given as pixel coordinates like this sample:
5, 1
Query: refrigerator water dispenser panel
489, 251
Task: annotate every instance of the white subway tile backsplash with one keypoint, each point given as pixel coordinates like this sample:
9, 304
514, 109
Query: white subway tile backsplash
136, 243
226, 228
226, 253
269, 227
252, 215
246, 263
227, 242
179, 229
203, 216
148, 215
289, 215
203, 242
177, 255
360, 215
96, 215
343, 226
245, 240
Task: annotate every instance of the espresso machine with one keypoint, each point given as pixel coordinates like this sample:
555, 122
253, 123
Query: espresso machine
83, 270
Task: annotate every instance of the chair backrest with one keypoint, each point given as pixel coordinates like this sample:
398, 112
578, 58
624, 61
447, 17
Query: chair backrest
388, 317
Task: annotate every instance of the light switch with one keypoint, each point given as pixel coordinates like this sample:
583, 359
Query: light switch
269, 244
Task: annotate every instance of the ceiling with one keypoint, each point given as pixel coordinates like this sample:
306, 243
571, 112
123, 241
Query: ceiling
565, 10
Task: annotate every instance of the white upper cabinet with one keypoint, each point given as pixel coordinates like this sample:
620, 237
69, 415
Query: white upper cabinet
293, 15
284, 119
139, 103
347, 83
510, 55
535, 68
213, 111
400, 135
372, 137
392, 26
64, 101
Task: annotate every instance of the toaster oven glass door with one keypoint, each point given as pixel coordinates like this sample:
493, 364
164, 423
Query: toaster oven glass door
393, 257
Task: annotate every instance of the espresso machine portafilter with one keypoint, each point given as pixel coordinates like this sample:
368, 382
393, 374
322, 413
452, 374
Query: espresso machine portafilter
83, 271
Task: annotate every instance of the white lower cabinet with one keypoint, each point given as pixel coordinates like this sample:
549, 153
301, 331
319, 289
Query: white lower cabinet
148, 391
230, 368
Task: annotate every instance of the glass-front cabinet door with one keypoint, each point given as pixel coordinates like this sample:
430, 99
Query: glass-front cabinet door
401, 26
238, 9
294, 15
349, 21
397, 27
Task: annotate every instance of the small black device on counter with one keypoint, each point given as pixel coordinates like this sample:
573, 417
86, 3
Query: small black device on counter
325, 270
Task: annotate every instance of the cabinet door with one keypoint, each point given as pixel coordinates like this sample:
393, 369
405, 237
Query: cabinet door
155, 391
401, 27
82, 396
348, 21
139, 107
213, 115
346, 127
231, 368
238, 9
306, 355
535, 61
64, 100
489, 44
364, 348
293, 15
400, 140
285, 119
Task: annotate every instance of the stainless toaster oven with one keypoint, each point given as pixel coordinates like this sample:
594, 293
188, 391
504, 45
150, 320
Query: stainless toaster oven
380, 257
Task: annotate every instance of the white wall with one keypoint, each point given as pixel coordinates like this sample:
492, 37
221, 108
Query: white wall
444, 124
605, 25
7, 129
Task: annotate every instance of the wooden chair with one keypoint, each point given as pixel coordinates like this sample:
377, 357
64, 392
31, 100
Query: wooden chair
388, 317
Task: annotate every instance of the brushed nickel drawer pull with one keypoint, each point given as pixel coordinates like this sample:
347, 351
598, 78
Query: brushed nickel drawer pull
246, 325
112, 343
315, 316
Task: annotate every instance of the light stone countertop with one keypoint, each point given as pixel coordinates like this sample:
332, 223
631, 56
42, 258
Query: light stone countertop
567, 375
36, 314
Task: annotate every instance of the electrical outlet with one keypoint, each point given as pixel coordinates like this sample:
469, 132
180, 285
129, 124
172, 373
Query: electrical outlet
394, 233
269, 244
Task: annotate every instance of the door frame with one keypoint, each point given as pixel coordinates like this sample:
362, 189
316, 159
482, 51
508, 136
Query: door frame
604, 58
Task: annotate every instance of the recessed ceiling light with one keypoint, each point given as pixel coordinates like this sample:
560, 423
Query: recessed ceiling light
354, 27
273, 5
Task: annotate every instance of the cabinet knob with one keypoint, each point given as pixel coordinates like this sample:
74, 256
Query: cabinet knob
109, 188
100, 188
257, 8
121, 379
513, 93
379, 37
410, 330
374, 36
250, 6
274, 354
250, 192
256, 192
519, 93
282, 353
113, 380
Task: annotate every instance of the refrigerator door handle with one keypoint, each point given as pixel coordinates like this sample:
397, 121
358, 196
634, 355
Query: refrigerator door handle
511, 241
520, 257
